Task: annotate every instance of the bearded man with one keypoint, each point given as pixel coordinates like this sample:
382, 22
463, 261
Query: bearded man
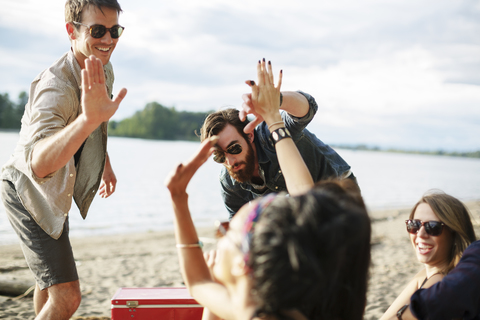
250, 162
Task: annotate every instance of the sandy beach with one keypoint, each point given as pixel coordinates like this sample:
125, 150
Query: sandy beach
149, 260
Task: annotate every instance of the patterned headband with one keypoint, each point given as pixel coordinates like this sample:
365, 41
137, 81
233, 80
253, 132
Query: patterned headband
251, 221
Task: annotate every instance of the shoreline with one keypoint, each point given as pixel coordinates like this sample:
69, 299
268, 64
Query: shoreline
149, 259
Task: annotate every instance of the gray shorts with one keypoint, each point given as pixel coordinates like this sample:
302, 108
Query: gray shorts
51, 261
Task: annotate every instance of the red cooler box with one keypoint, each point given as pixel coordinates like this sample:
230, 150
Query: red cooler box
155, 303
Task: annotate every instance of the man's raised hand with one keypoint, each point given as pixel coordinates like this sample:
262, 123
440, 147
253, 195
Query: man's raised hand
96, 104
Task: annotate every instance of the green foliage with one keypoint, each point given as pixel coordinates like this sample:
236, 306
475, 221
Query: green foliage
10, 112
158, 122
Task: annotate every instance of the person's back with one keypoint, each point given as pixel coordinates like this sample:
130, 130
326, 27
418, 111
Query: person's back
312, 253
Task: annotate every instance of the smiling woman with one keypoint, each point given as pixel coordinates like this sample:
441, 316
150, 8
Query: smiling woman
440, 230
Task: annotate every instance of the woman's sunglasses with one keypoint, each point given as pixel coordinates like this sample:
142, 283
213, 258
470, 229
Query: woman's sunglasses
97, 31
433, 228
219, 154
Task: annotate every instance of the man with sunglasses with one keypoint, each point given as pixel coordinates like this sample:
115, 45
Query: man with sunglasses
61, 154
248, 154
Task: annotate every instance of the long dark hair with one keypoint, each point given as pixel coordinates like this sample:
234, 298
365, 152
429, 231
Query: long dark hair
312, 253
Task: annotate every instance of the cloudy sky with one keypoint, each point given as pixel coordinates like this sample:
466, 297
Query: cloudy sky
389, 73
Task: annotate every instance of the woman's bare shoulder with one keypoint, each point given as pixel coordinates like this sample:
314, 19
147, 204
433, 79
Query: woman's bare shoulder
437, 277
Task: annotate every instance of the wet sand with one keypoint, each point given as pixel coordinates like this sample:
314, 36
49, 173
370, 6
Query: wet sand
107, 263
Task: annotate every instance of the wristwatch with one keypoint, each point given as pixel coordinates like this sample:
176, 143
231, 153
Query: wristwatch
401, 311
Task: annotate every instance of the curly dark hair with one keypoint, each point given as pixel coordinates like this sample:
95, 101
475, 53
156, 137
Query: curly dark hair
312, 253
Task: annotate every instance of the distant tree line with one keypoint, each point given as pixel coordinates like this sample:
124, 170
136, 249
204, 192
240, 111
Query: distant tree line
161, 123
158, 122
10, 112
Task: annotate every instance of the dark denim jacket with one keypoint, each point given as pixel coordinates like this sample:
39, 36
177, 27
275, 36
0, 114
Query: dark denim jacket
322, 161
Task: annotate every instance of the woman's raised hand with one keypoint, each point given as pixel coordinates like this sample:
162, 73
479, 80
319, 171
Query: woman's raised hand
178, 179
264, 101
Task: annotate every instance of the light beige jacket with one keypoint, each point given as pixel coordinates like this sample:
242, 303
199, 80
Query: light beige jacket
54, 102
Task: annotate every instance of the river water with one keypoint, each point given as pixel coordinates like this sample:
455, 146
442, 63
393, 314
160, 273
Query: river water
141, 202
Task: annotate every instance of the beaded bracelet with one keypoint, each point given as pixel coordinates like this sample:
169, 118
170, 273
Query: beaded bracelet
279, 134
199, 244
278, 122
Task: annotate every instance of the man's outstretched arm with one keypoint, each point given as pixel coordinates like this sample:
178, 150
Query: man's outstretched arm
52, 153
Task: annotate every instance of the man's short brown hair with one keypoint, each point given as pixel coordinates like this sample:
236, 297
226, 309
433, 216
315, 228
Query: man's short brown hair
74, 8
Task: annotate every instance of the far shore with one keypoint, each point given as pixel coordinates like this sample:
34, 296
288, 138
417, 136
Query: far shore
362, 147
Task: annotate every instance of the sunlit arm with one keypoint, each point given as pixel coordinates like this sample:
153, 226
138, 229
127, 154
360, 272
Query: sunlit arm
193, 267
54, 152
294, 103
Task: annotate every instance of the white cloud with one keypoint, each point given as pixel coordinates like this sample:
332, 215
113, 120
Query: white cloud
44, 17
371, 64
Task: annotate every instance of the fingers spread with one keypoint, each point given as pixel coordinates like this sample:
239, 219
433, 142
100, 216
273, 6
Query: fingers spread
260, 74
214, 140
242, 114
270, 73
120, 95
247, 97
252, 124
280, 77
89, 73
97, 63
85, 83
100, 72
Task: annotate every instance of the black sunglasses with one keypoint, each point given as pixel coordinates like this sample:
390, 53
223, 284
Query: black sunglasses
433, 228
97, 31
219, 154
